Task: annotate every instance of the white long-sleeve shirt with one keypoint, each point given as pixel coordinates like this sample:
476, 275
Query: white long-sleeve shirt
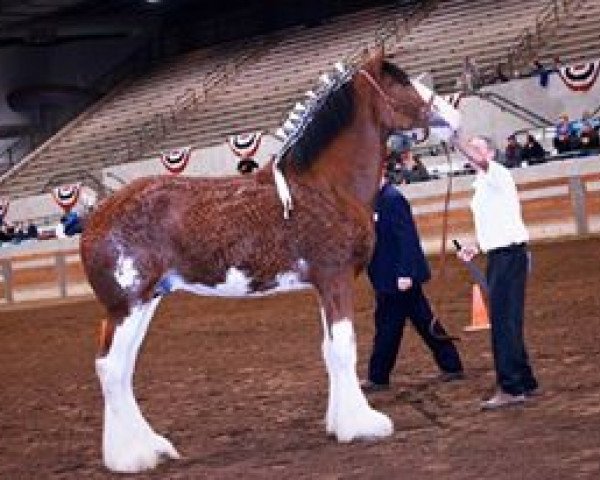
496, 209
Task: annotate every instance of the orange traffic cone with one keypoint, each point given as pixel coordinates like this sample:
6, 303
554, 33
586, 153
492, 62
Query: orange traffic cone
479, 315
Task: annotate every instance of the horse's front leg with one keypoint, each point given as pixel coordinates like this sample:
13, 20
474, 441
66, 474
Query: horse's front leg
349, 415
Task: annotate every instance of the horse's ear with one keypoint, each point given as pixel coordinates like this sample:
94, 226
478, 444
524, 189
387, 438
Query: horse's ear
375, 58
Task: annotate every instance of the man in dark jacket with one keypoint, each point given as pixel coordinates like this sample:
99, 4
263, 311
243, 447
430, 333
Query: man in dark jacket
397, 271
533, 152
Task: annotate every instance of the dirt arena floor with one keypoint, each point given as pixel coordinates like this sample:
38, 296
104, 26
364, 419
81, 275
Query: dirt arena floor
240, 388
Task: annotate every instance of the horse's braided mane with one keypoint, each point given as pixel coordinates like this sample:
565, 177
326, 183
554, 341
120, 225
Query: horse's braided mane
326, 114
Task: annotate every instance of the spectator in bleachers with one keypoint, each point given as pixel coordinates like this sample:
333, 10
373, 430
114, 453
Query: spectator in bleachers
246, 165
533, 152
3, 209
588, 135
557, 63
513, 153
72, 224
501, 77
19, 233
471, 75
412, 169
32, 231
565, 135
540, 70
9, 231
4, 235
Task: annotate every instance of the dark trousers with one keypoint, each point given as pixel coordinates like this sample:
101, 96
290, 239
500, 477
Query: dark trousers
507, 276
391, 312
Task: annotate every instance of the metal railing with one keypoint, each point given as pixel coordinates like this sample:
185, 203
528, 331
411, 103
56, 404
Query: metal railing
519, 111
531, 39
11, 155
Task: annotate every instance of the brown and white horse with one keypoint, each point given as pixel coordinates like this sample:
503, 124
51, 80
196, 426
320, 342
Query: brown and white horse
228, 237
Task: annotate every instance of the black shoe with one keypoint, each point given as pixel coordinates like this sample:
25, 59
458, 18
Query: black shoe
451, 376
368, 386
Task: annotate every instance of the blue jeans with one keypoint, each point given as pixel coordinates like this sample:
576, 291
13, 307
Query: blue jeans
507, 278
391, 312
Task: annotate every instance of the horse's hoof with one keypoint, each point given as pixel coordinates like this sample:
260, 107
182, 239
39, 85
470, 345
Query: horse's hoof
370, 425
141, 456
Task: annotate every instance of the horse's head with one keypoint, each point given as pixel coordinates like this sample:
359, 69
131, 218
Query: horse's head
398, 104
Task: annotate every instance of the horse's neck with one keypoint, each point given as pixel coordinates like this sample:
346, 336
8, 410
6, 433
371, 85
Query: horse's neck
352, 162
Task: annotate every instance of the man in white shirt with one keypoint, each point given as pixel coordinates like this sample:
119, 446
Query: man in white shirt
502, 235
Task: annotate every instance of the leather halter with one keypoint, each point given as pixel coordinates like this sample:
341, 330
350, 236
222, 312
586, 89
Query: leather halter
378, 89
389, 102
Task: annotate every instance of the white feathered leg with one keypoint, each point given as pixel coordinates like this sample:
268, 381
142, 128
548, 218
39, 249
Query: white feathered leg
331, 414
129, 443
349, 415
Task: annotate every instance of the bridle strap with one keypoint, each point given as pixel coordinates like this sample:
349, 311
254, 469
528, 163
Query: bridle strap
378, 89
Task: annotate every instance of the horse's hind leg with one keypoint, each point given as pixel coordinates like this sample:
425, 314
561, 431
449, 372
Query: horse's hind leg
129, 444
349, 415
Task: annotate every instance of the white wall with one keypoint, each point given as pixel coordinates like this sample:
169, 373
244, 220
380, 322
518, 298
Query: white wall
40, 208
481, 117
216, 161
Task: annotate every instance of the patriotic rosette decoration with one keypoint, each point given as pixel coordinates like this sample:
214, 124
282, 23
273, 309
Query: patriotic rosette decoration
66, 196
176, 160
581, 77
245, 145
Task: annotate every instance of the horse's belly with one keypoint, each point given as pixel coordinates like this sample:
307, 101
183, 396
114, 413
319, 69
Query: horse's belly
236, 284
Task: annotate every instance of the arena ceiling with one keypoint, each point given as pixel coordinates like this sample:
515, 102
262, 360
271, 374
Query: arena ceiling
48, 22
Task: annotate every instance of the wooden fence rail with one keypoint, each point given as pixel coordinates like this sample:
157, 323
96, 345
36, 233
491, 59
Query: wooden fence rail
554, 205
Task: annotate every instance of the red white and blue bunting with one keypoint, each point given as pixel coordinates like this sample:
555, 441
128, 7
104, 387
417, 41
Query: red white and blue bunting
175, 161
581, 77
66, 196
245, 145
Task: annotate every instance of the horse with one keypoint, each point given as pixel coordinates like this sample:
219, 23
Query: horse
228, 237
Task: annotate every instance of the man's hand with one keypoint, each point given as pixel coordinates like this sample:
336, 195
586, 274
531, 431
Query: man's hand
467, 252
404, 283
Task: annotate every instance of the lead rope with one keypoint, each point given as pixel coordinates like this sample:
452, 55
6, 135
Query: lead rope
442, 267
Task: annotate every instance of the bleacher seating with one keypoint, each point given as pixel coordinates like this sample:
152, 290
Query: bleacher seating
576, 37
485, 30
267, 78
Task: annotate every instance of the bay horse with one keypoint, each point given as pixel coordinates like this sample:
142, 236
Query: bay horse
228, 237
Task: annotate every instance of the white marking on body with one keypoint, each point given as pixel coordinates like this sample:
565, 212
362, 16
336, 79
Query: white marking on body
126, 274
350, 417
237, 284
129, 443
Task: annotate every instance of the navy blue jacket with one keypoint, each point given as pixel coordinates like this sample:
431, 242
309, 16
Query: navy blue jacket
398, 251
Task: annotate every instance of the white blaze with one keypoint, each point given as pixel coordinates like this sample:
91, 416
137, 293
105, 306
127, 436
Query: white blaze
440, 107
